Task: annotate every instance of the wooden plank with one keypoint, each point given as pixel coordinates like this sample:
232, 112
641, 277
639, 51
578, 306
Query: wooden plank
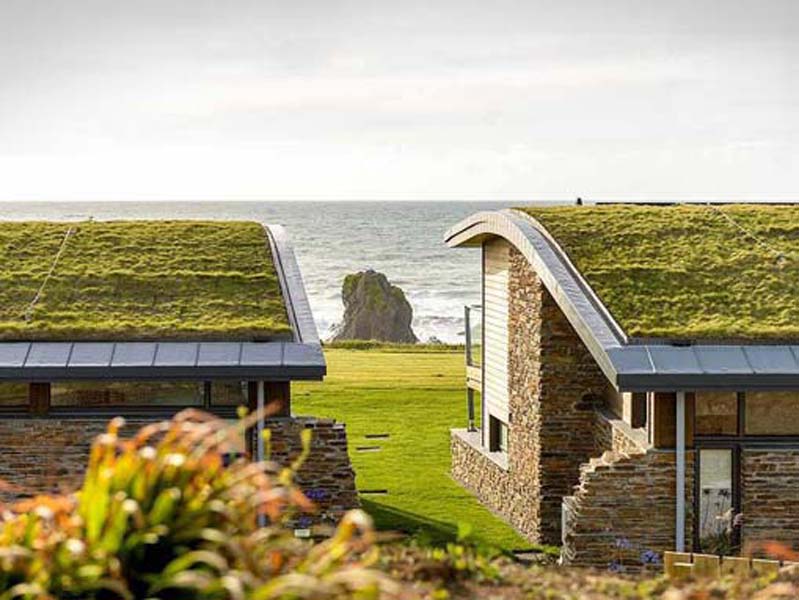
672, 558
39, 398
475, 373
682, 570
735, 565
665, 431
278, 398
761, 566
706, 565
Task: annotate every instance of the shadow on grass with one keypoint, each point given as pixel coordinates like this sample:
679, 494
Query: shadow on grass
430, 531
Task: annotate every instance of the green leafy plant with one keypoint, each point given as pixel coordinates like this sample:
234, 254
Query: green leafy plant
161, 515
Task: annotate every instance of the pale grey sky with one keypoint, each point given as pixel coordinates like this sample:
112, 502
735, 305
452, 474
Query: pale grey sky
328, 99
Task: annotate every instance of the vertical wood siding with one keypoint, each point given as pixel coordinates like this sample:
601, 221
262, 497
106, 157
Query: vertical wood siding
495, 324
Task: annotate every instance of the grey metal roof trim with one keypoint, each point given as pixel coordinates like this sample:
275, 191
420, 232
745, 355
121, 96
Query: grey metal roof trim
160, 360
292, 286
628, 365
301, 358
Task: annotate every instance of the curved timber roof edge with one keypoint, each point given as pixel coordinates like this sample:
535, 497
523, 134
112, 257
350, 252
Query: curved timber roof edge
630, 367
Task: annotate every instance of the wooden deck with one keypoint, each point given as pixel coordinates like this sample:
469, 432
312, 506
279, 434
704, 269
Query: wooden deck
474, 378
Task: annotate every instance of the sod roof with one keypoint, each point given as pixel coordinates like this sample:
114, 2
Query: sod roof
138, 280
687, 271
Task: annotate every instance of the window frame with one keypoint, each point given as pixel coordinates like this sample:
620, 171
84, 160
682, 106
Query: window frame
495, 428
130, 410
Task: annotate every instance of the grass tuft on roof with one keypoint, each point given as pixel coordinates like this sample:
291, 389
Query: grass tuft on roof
131, 280
687, 271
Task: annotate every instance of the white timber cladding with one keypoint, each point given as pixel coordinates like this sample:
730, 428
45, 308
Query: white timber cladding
495, 327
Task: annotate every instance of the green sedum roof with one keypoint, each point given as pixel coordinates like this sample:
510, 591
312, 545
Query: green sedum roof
687, 271
136, 280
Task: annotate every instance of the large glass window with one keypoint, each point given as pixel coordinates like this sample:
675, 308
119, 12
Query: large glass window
716, 512
13, 395
716, 413
229, 393
94, 394
772, 413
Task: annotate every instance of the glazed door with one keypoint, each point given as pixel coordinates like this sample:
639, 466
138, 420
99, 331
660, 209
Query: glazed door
717, 499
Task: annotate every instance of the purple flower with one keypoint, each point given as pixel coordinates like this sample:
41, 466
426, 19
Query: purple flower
624, 544
650, 557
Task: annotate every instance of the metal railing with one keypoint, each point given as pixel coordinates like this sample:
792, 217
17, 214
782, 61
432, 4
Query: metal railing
473, 322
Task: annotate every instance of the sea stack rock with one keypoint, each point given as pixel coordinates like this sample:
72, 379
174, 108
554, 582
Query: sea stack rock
375, 310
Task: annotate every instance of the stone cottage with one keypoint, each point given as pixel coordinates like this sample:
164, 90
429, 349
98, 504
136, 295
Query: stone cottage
638, 371
142, 319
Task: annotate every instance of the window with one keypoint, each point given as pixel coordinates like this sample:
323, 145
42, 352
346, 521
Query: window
229, 393
497, 435
716, 413
13, 395
716, 506
772, 413
95, 394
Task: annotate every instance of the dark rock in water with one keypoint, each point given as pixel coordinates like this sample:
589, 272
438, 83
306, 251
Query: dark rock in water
375, 310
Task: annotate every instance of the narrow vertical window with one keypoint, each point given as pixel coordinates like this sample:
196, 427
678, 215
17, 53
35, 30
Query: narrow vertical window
498, 435
716, 506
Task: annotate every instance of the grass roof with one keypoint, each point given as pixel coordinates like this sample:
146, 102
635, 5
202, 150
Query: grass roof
687, 271
136, 280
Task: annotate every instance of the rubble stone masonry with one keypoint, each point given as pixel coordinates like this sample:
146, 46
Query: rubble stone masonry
571, 463
624, 505
770, 497
554, 385
49, 455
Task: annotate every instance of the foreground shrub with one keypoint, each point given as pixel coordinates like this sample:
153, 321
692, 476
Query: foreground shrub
161, 515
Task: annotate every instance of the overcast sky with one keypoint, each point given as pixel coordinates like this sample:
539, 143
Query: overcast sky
326, 99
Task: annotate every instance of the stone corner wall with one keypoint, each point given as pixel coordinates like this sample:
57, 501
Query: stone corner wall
45, 455
554, 386
624, 505
327, 477
498, 488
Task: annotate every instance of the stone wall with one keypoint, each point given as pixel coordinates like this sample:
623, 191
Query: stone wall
327, 476
570, 387
624, 505
49, 455
770, 497
553, 386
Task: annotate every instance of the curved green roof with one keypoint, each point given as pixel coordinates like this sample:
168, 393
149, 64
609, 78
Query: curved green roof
131, 280
687, 271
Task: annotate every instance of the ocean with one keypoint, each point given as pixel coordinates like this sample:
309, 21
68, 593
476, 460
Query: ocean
331, 239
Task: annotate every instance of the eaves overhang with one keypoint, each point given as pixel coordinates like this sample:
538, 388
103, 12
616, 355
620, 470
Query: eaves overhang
300, 358
628, 364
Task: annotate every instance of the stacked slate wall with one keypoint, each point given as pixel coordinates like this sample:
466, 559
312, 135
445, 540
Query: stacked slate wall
49, 455
553, 384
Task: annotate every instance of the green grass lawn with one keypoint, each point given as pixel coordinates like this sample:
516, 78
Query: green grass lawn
415, 398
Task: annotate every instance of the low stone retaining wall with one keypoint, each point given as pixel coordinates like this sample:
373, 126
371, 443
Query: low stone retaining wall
327, 476
49, 455
489, 479
623, 510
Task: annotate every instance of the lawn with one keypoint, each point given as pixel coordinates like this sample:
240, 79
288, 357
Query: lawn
415, 398
138, 280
